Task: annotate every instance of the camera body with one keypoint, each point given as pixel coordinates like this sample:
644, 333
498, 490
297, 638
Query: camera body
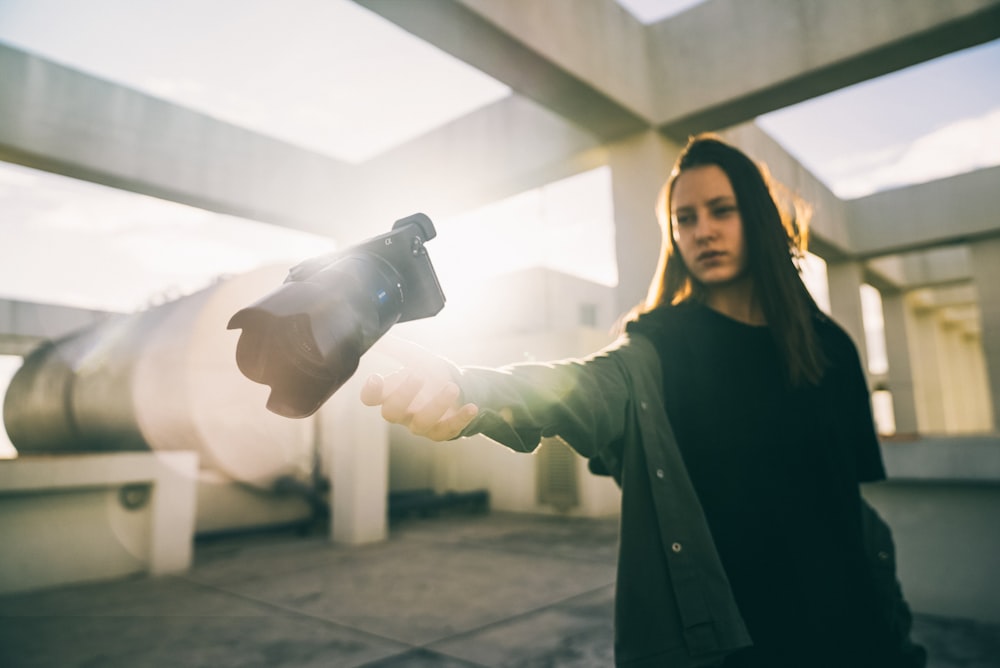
306, 338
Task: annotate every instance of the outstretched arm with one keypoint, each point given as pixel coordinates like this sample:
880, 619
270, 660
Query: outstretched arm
582, 400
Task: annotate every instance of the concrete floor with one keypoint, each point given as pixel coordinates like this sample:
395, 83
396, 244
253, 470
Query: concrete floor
452, 591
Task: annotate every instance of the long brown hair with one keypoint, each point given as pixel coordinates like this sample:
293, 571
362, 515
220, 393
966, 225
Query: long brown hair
775, 230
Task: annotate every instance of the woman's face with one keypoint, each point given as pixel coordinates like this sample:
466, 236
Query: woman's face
707, 228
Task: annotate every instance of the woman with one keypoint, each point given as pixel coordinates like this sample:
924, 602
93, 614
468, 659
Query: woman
735, 417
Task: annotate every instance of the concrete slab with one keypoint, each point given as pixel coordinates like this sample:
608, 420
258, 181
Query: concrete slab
577, 632
171, 622
225, 560
421, 658
137, 596
458, 591
426, 591
958, 643
240, 642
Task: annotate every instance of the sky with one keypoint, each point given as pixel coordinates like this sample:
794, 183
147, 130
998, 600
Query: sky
919, 124
651, 11
71, 242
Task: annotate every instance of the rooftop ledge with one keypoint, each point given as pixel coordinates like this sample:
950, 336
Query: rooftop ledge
967, 458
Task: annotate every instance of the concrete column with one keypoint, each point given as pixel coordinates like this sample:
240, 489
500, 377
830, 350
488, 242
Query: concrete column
986, 275
948, 368
354, 440
899, 377
984, 408
964, 387
640, 166
845, 279
976, 410
954, 386
921, 323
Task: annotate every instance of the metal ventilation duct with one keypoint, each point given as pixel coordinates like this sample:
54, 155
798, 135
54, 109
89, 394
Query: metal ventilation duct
161, 379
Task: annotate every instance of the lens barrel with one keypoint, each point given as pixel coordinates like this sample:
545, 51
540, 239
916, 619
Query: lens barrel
306, 338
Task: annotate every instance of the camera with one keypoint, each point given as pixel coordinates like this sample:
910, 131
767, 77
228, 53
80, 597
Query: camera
306, 338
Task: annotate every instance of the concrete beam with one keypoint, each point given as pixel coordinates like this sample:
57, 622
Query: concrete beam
64, 121
23, 325
597, 41
500, 150
726, 61
954, 210
67, 122
919, 269
829, 230
955, 304
836, 224
771, 56
60, 120
457, 29
945, 297
16, 345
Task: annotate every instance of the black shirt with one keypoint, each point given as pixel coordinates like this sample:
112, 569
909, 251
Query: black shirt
776, 470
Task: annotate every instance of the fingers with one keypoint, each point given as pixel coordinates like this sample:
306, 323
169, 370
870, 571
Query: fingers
377, 388
426, 417
397, 403
427, 408
442, 418
371, 391
451, 427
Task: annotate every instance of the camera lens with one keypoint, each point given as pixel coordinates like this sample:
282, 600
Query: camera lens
306, 338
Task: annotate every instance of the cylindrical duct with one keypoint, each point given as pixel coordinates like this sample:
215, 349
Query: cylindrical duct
165, 379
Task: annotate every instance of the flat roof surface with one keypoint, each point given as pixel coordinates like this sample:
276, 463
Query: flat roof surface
455, 589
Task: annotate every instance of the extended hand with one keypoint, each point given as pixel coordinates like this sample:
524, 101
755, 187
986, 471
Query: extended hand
422, 399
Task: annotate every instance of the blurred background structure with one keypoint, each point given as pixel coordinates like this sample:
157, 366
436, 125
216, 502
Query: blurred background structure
164, 163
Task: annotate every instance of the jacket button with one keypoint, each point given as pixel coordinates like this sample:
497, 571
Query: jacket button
643, 405
676, 547
883, 555
660, 473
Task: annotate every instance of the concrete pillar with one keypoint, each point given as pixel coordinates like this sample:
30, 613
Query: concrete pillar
640, 166
922, 324
986, 275
947, 359
899, 377
354, 441
965, 391
976, 415
845, 279
984, 408
949, 372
